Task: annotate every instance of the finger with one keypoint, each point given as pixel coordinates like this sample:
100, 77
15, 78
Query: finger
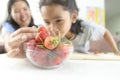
20, 39
24, 30
12, 53
16, 53
34, 27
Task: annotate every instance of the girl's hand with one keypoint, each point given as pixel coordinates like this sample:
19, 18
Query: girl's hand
117, 53
17, 39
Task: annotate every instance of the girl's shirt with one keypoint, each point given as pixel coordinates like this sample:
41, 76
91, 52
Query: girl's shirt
91, 31
7, 28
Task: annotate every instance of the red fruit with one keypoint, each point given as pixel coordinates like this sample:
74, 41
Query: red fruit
43, 33
57, 61
54, 59
37, 38
40, 37
42, 28
39, 55
62, 50
30, 44
51, 42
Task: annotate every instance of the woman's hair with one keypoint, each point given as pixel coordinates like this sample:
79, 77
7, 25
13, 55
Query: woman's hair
69, 5
9, 17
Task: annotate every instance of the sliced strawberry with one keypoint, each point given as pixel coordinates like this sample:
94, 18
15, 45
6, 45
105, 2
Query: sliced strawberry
40, 37
37, 38
42, 34
51, 42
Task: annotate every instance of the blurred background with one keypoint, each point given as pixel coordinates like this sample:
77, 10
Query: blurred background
103, 12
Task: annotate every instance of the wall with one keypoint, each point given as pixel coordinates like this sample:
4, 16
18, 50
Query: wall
3, 9
113, 24
34, 5
82, 4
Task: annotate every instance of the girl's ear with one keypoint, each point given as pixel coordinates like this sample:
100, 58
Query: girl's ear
74, 16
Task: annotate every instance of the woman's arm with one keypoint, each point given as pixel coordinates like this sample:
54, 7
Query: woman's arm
14, 42
108, 37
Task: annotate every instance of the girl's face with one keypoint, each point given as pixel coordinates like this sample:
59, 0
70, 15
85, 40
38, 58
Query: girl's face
57, 19
21, 14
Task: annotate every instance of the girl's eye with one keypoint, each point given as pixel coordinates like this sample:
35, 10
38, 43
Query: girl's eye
59, 21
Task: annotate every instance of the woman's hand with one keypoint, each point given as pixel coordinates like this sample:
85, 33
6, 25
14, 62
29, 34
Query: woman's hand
14, 45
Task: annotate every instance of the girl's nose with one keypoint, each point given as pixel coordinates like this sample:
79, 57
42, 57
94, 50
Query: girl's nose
52, 29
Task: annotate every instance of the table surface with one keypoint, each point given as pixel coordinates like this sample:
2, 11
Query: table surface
22, 69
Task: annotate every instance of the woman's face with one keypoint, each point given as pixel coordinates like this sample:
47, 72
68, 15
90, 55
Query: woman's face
21, 14
56, 19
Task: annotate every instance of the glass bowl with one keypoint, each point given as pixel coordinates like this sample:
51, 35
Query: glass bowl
45, 58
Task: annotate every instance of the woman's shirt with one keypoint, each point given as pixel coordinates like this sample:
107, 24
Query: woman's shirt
7, 28
91, 31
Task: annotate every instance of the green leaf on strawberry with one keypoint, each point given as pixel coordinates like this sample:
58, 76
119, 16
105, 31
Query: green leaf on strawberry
51, 42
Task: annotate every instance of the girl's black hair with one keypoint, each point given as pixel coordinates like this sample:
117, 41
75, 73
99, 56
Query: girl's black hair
69, 5
11, 20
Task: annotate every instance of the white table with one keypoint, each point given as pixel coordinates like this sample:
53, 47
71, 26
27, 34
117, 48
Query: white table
22, 69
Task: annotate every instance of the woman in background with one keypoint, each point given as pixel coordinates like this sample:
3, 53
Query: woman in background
18, 27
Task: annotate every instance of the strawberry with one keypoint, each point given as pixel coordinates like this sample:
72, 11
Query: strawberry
51, 42
37, 40
43, 29
62, 50
40, 37
57, 61
30, 44
40, 55
53, 58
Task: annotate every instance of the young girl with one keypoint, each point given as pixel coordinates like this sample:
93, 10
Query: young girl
61, 15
